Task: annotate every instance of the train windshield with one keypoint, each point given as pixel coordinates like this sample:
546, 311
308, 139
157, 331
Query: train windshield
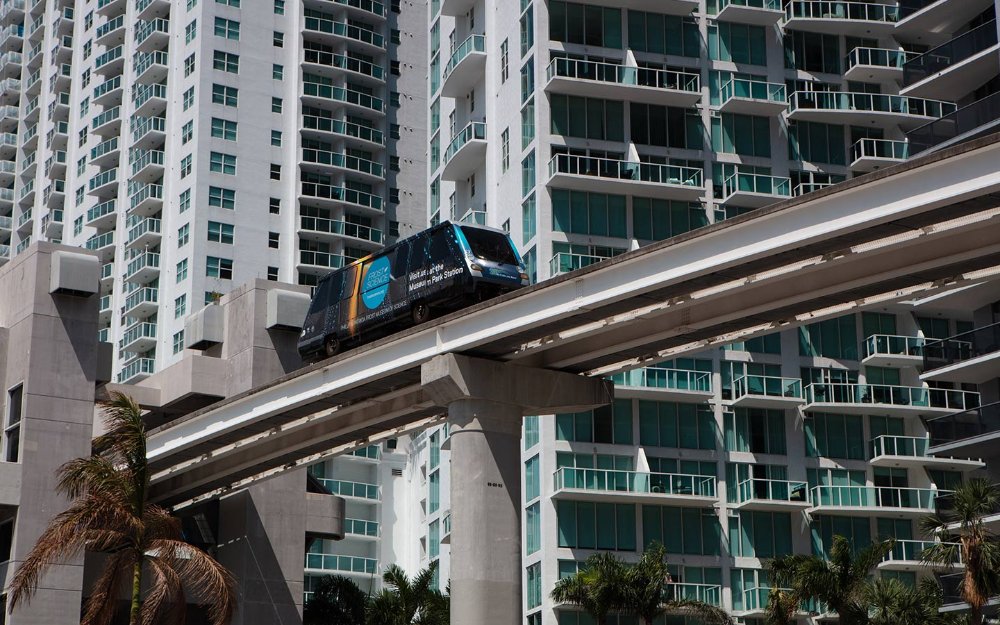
490, 245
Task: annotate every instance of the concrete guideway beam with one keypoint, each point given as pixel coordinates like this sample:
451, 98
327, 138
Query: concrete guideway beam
486, 401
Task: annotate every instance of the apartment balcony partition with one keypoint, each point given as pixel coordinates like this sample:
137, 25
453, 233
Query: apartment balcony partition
581, 484
604, 175
837, 17
865, 109
765, 391
466, 153
752, 97
870, 154
972, 357
755, 190
771, 495
973, 120
880, 501
465, 68
970, 59
876, 64
667, 384
623, 82
887, 399
911, 452
757, 12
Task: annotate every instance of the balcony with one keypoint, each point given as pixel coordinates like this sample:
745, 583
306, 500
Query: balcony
907, 555
136, 370
342, 128
152, 35
144, 232
876, 64
765, 391
756, 599
138, 337
871, 154
971, 433
322, 160
755, 190
836, 17
466, 153
110, 62
323, 94
865, 109
757, 12
104, 310
107, 122
325, 261
603, 175
364, 8
886, 350
564, 262
145, 199
104, 184
150, 100
150, 67
332, 196
969, 59
683, 591
771, 495
972, 357
446, 529
971, 121
146, 165
910, 452
315, 227
108, 92
339, 31
143, 268
623, 82
321, 563
149, 9
142, 302
753, 97
323, 61
148, 131
355, 490
360, 528
110, 7
666, 384
882, 501
102, 215
473, 216
111, 32
918, 18
103, 244
696, 491
465, 68
887, 400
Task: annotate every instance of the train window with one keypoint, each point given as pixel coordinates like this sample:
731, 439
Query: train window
490, 245
437, 247
399, 264
350, 277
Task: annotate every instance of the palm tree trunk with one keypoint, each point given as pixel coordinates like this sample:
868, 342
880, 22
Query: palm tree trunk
133, 618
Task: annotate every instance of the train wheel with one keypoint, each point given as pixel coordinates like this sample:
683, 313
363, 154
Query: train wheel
421, 313
331, 347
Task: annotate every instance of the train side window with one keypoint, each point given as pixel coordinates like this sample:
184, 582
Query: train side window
399, 262
437, 249
350, 277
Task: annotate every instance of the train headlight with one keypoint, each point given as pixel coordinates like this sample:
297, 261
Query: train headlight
476, 267
524, 276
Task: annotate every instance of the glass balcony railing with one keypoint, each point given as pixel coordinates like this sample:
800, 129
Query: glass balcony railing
372, 452
684, 591
963, 425
348, 564
145, 226
967, 121
910, 446
139, 366
145, 60
341, 194
343, 29
772, 490
146, 295
623, 74
102, 179
472, 43
756, 599
837, 9
321, 259
950, 53
666, 378
473, 216
144, 93
893, 345
473, 131
147, 28
109, 26
146, 260
888, 394
564, 262
753, 90
108, 116
340, 127
145, 192
767, 386
872, 102
633, 482
100, 210
142, 125
375, 8
360, 527
111, 55
770, 5
904, 550
346, 161
100, 241
756, 183
334, 226
346, 488
342, 94
880, 149
142, 330
965, 346
625, 170
349, 63
878, 57
874, 497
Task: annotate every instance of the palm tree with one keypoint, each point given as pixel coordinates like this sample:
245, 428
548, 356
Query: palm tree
977, 546
110, 514
405, 601
644, 593
891, 602
336, 600
839, 581
599, 587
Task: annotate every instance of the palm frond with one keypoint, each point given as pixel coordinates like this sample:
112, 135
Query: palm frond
705, 612
165, 604
210, 582
103, 602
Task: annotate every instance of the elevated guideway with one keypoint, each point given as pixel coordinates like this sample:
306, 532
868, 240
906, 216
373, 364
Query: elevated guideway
924, 225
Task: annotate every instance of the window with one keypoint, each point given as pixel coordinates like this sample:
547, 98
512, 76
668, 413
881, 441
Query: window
527, 80
833, 338
182, 270
78, 225
223, 129
755, 430
276, 138
183, 235
277, 72
272, 274
232, 3
835, 436
186, 166
227, 29
676, 425
588, 118
812, 52
739, 43
279, 7
816, 142
748, 135
189, 65
605, 526
585, 24
184, 201
581, 212
222, 198
665, 126
180, 306
220, 232
434, 486
528, 174
607, 424
191, 31
272, 240
529, 219
275, 171
824, 527
275, 105
219, 268
505, 150
191, 4
222, 163
531, 431
533, 581
663, 34
274, 205
187, 132
226, 96
528, 124
655, 220
754, 534
504, 62
278, 39
178, 342
226, 62
188, 98
533, 528
532, 479
12, 427
688, 531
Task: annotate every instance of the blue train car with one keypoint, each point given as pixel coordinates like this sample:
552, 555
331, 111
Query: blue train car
441, 269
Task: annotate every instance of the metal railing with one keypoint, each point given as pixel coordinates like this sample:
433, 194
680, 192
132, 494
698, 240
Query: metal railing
321, 259
341, 194
350, 564
346, 228
893, 345
964, 121
706, 593
878, 57
753, 90
873, 102
625, 170
741, 182
950, 53
966, 424
472, 43
886, 445
889, 394
633, 482
564, 262
343, 29
472, 131
666, 378
770, 5
837, 9
880, 148
905, 550
965, 346
346, 488
874, 497
772, 490
767, 386
623, 74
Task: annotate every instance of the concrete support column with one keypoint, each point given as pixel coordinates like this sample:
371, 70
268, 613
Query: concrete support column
486, 512
486, 401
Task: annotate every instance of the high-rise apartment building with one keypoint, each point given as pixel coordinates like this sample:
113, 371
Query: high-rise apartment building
196, 145
586, 129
